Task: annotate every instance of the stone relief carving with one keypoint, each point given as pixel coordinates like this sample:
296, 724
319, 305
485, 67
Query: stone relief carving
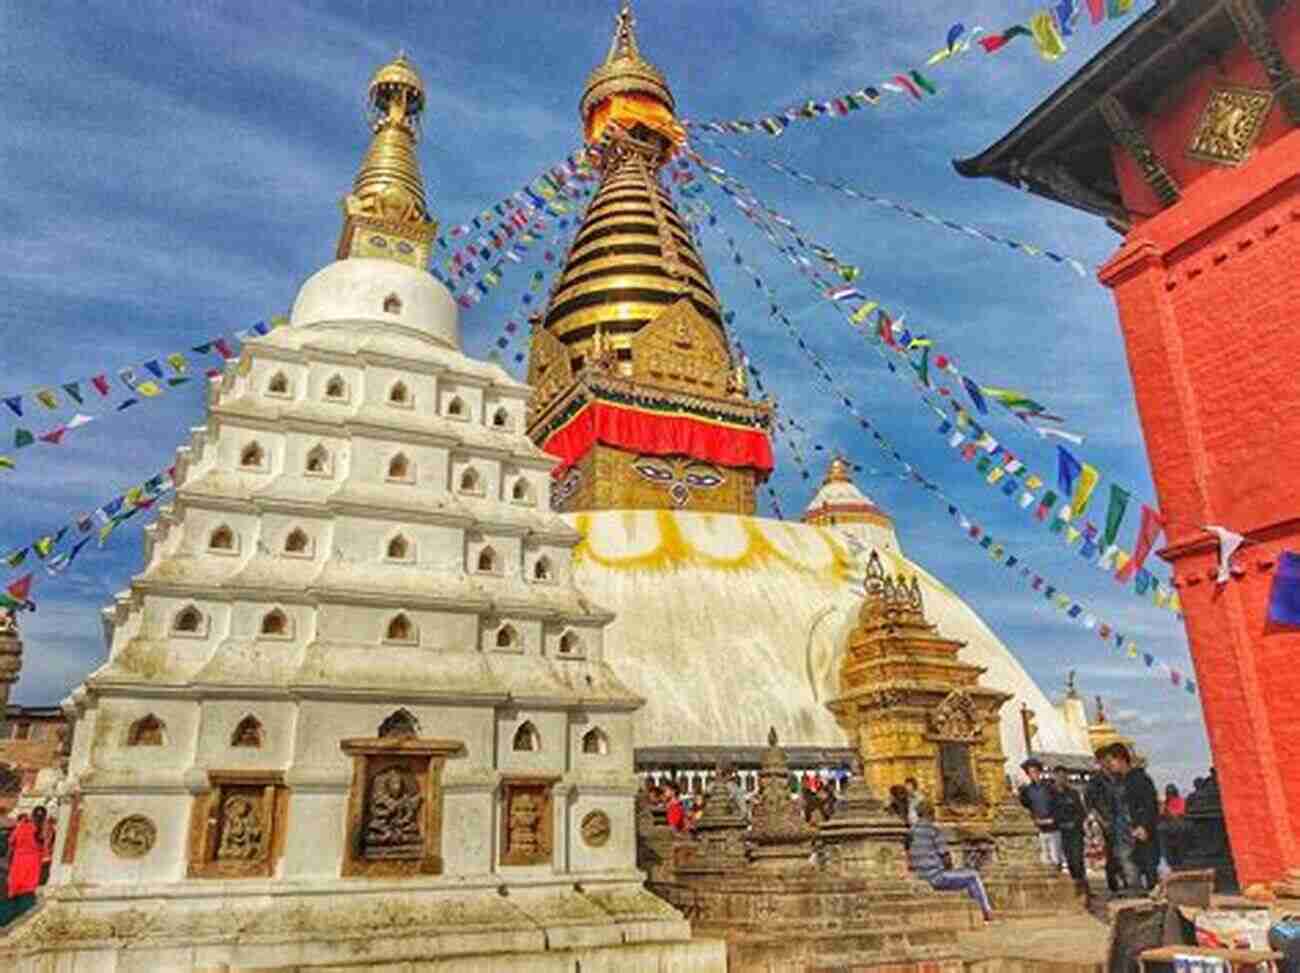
526, 822
241, 829
595, 829
133, 837
393, 816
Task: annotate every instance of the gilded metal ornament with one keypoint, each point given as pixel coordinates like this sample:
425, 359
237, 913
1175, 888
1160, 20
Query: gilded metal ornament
1229, 124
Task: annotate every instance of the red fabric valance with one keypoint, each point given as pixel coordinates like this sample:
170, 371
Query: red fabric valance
659, 434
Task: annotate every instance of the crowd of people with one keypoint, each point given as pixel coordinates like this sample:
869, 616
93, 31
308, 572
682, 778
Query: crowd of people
1119, 821
27, 853
815, 794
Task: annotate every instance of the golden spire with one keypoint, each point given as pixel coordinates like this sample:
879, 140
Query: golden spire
624, 72
838, 471
387, 215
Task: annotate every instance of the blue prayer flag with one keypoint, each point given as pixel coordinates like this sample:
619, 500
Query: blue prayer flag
1284, 599
1067, 470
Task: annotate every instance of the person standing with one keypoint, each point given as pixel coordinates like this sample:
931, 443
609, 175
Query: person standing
1036, 796
1068, 813
47, 834
914, 798
1136, 818
927, 852
24, 865
674, 810
1101, 799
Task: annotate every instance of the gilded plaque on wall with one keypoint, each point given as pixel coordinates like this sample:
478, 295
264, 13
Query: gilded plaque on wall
1229, 124
595, 829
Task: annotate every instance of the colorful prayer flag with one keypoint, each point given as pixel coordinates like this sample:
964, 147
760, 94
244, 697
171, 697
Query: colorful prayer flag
1119, 498
1284, 598
74, 392
101, 384
47, 398
1047, 36
1088, 477
1152, 525
15, 403
23, 437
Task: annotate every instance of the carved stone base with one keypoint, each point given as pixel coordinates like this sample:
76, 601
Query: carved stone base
456, 926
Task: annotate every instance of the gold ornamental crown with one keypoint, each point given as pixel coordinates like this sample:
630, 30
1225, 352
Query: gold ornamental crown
624, 71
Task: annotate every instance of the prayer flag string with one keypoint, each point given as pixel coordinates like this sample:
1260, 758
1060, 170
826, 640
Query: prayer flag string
1071, 608
1047, 28
1027, 249
916, 351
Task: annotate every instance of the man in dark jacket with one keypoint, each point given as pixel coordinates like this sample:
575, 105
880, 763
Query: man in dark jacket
1068, 813
1138, 812
1036, 796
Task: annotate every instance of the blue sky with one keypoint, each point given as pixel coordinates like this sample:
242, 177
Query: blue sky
174, 171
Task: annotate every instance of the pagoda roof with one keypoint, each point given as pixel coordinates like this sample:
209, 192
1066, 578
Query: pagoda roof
1062, 149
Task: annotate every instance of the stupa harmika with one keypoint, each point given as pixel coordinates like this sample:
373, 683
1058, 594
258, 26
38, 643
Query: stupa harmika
355, 710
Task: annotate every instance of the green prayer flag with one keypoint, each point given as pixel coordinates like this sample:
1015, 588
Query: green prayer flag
983, 465
74, 392
1119, 498
23, 437
923, 82
17, 557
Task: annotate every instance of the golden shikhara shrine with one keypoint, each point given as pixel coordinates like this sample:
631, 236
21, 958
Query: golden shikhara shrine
386, 215
913, 709
635, 386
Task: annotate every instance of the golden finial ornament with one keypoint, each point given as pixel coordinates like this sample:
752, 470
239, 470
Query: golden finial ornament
387, 214
838, 471
624, 70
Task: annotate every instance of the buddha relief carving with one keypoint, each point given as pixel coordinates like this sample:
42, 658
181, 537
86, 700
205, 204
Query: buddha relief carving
133, 837
392, 827
241, 829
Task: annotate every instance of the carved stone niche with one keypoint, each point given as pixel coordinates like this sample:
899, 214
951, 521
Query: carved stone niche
956, 729
527, 820
394, 825
237, 829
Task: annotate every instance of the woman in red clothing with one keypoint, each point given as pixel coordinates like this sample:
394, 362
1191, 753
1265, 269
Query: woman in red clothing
24, 865
675, 812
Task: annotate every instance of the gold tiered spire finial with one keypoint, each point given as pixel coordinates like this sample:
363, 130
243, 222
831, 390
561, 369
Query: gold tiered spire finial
634, 329
387, 214
838, 471
624, 71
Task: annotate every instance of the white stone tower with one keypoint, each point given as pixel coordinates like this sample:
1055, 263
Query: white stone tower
354, 708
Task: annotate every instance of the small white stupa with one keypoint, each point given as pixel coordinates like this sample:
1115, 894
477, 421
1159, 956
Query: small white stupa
355, 712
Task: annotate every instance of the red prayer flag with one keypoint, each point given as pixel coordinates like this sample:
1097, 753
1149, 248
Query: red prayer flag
53, 436
223, 349
21, 589
101, 384
991, 44
887, 329
907, 83
1152, 525
1097, 10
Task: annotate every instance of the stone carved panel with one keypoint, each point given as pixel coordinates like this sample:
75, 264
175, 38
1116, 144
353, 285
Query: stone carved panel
1229, 124
394, 824
133, 837
527, 820
393, 815
595, 829
237, 828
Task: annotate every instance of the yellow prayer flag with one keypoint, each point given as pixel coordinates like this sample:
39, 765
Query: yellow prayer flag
1072, 534
1033, 481
996, 474
47, 398
1161, 597
1083, 488
6, 463
1132, 651
1122, 558
1047, 38
245, 364
861, 314
1175, 603
178, 363
149, 390
941, 55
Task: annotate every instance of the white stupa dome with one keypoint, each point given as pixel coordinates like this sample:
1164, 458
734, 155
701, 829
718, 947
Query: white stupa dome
361, 289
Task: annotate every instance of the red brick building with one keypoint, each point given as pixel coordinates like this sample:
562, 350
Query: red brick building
1182, 134
32, 740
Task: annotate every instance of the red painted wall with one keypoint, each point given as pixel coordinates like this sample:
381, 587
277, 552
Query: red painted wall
1209, 301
